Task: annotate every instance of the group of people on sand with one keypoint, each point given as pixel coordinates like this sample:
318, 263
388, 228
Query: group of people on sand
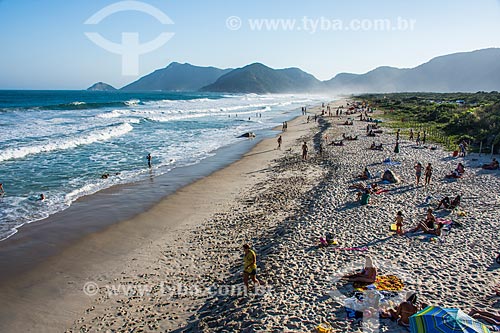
349, 137
427, 172
430, 224
374, 146
402, 312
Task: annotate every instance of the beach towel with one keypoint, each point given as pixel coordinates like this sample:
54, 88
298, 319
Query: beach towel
443, 221
364, 248
495, 328
389, 162
382, 282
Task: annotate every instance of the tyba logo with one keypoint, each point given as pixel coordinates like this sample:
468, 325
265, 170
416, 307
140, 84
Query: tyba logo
129, 49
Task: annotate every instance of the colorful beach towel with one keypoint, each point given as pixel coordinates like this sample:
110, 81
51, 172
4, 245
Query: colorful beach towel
381, 191
364, 248
443, 221
382, 282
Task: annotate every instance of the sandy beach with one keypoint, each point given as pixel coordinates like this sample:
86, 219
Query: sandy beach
177, 267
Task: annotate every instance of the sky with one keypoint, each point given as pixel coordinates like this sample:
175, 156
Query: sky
44, 43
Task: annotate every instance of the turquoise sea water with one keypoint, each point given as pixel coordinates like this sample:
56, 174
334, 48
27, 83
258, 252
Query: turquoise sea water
60, 143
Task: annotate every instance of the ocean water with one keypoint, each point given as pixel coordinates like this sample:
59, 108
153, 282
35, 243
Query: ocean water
60, 143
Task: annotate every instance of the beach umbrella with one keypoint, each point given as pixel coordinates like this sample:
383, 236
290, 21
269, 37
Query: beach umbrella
441, 320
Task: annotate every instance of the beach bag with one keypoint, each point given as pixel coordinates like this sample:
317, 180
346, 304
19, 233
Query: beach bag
353, 314
324, 328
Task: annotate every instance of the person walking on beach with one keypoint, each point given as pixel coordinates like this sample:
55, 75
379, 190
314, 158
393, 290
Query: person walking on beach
304, 151
396, 148
2, 192
418, 139
418, 171
149, 158
428, 174
424, 137
279, 142
399, 223
250, 266
411, 134
397, 135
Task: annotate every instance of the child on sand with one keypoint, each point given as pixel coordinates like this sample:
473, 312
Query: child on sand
399, 223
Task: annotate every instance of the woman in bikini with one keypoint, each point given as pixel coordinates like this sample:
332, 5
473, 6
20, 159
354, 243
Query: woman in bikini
429, 225
418, 171
404, 311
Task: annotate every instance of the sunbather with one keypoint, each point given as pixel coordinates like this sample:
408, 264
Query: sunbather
429, 225
368, 274
489, 317
404, 311
365, 175
446, 203
491, 166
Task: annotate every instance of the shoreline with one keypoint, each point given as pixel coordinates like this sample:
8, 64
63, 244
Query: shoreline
98, 211
187, 206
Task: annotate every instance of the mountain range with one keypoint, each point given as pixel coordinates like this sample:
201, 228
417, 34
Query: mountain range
459, 72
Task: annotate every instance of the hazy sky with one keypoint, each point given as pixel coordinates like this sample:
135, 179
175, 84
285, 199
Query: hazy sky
44, 45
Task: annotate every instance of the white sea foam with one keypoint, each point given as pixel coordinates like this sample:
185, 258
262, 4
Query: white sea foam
132, 102
66, 142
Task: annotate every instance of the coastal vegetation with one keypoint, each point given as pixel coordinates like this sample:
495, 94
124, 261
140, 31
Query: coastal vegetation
447, 118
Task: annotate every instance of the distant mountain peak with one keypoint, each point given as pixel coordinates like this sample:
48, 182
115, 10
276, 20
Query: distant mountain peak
463, 71
261, 79
101, 86
177, 77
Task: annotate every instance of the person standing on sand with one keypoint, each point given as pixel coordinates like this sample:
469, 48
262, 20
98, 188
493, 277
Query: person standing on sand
149, 158
428, 174
418, 171
396, 148
279, 142
397, 135
1, 189
411, 134
304, 151
250, 266
424, 138
399, 223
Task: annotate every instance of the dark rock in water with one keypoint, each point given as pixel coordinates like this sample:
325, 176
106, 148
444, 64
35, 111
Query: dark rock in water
247, 135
